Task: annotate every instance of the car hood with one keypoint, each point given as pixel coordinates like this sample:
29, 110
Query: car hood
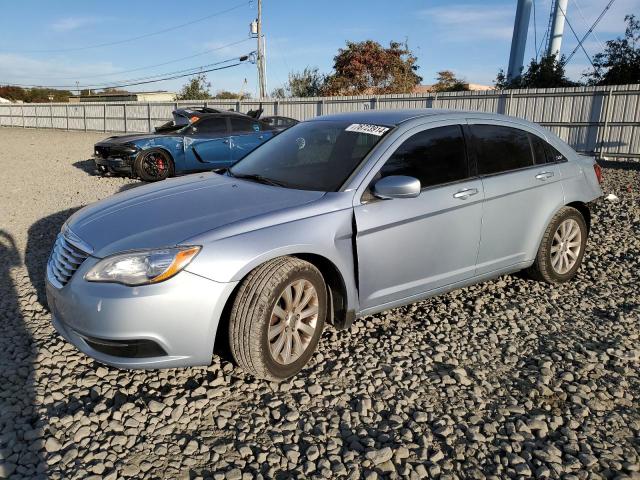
167, 213
121, 139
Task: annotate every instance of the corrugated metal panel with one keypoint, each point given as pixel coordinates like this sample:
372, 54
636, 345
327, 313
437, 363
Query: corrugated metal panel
603, 119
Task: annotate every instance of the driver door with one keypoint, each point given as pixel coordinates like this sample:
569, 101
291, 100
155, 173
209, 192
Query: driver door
410, 246
207, 144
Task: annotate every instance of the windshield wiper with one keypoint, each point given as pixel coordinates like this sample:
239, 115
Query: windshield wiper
259, 179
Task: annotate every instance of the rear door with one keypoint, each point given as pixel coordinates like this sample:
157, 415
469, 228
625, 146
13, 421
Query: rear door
207, 144
521, 192
246, 135
410, 246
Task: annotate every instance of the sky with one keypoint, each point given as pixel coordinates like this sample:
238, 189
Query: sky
52, 43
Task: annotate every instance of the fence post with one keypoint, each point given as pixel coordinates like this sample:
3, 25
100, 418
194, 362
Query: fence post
124, 106
276, 107
320, 109
104, 122
509, 103
374, 103
607, 119
238, 106
22, 111
51, 115
84, 117
149, 115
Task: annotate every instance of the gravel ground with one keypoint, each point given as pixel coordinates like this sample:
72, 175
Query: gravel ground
508, 379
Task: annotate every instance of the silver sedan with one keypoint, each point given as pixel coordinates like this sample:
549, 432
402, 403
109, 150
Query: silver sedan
338, 217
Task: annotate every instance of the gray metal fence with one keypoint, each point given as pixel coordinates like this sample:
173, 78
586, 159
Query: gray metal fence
600, 120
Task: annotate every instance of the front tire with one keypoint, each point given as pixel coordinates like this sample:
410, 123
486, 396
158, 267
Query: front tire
562, 248
277, 318
153, 165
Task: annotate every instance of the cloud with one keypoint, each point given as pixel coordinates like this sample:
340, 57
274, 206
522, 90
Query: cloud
72, 23
462, 22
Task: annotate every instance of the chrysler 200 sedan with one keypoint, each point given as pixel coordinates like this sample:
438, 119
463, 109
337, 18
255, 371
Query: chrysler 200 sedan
338, 217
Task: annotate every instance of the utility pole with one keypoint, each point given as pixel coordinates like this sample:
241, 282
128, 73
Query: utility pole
260, 63
557, 28
519, 39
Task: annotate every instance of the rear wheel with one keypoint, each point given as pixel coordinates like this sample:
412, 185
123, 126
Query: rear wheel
277, 318
153, 165
562, 248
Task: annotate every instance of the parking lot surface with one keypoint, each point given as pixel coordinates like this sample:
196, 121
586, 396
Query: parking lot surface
510, 378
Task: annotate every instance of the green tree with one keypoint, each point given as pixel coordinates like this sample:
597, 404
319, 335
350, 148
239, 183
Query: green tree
368, 67
227, 95
308, 83
196, 89
548, 72
448, 82
620, 62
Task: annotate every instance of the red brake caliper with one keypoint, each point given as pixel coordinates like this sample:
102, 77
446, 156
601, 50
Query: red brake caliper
160, 164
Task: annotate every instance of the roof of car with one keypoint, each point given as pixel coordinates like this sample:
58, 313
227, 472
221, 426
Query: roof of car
396, 117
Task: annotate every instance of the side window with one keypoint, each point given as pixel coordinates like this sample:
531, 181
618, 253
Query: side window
212, 127
244, 125
540, 153
554, 155
433, 156
500, 149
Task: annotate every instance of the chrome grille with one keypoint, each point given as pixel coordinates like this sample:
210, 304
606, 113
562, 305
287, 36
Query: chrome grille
65, 259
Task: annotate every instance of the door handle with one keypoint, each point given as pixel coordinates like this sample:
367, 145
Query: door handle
544, 175
466, 193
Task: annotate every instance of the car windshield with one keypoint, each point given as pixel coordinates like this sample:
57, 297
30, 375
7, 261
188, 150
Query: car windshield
318, 155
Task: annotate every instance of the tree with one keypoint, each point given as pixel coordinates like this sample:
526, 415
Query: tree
34, 95
367, 67
197, 89
308, 83
620, 62
549, 72
227, 95
448, 82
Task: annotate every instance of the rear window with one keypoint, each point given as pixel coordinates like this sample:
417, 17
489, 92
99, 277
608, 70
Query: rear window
501, 149
244, 125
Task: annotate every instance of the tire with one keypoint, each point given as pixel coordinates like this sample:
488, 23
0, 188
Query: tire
153, 165
254, 318
548, 267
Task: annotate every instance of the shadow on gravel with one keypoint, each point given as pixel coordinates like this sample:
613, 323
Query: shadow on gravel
130, 186
20, 426
87, 166
42, 235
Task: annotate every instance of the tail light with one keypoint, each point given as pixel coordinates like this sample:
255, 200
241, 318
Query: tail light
598, 169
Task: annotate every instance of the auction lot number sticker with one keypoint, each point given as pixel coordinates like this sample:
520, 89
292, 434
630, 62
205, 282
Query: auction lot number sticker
367, 128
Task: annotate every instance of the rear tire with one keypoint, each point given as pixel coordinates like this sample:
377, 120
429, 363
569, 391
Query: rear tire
562, 248
153, 165
272, 333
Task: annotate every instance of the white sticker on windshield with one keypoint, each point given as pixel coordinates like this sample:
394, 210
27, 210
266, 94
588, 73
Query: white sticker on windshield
367, 128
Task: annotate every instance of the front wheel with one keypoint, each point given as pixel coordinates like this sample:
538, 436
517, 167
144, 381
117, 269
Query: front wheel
562, 248
153, 165
277, 318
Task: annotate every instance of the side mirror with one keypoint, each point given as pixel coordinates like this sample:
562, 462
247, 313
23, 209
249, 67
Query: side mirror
397, 186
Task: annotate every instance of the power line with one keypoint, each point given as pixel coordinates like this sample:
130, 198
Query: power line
575, 35
138, 37
148, 67
602, 14
586, 24
144, 80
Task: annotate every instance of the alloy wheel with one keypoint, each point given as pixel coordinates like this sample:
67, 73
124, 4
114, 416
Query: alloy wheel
566, 245
293, 321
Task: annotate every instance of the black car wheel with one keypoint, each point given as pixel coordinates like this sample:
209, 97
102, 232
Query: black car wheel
153, 165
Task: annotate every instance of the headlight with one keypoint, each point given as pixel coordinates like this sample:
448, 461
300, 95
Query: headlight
142, 267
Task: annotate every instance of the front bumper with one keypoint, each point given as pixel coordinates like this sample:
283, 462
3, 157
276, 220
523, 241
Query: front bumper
114, 164
170, 324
